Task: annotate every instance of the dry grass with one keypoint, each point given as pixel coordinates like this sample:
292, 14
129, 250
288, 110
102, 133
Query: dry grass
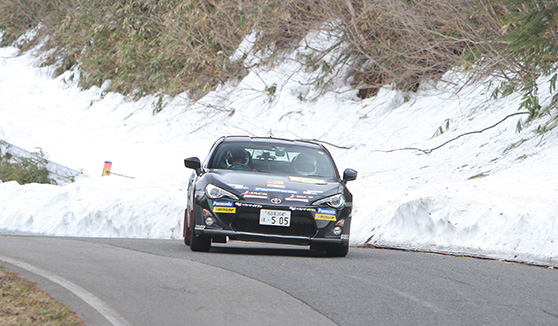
21, 303
175, 46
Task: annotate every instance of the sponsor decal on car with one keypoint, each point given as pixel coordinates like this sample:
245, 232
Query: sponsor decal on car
302, 209
240, 187
223, 207
275, 184
313, 181
326, 214
227, 203
283, 191
325, 217
329, 211
255, 194
302, 198
248, 205
227, 210
312, 192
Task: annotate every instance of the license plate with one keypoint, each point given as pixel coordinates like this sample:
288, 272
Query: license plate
275, 218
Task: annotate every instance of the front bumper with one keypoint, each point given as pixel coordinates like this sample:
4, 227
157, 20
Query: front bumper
272, 238
240, 220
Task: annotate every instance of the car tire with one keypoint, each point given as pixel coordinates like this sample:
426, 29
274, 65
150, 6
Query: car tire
186, 235
337, 251
200, 243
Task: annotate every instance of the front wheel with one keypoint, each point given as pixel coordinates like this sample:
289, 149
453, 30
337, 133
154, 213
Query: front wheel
337, 250
186, 235
187, 226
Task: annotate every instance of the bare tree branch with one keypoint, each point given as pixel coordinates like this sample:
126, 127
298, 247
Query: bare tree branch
428, 151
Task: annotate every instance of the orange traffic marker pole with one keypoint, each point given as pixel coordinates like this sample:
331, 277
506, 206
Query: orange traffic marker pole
106, 168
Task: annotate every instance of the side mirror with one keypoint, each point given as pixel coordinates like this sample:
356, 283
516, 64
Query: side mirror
349, 175
193, 163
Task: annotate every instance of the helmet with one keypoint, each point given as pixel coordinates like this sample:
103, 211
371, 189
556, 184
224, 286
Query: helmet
238, 156
305, 164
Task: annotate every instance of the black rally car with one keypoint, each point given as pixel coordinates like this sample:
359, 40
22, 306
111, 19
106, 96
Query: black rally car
268, 190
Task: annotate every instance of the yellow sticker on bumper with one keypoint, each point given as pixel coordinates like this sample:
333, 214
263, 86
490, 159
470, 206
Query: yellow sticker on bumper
326, 217
221, 209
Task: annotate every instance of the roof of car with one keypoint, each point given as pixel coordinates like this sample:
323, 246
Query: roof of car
269, 139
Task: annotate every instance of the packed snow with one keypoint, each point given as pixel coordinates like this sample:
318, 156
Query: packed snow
487, 194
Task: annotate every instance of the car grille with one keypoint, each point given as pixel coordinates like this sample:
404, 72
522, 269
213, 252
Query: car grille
250, 222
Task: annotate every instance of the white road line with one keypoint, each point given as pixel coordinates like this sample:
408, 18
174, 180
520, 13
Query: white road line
107, 312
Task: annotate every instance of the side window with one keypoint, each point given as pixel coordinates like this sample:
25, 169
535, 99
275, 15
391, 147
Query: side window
219, 158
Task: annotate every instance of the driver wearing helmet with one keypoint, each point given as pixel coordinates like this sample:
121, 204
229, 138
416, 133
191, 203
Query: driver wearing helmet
239, 159
305, 165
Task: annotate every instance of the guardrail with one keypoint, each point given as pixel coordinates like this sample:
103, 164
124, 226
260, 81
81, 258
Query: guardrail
60, 173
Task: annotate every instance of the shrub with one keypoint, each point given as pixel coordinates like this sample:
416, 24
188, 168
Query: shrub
24, 169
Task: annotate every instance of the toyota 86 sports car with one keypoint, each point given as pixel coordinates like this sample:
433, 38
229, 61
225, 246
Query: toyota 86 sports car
268, 190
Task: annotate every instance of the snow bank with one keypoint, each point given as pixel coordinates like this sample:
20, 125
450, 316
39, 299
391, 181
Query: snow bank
98, 207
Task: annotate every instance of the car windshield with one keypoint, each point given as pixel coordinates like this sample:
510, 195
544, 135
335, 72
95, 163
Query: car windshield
269, 157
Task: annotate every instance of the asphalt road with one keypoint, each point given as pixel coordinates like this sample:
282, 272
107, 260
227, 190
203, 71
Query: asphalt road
161, 282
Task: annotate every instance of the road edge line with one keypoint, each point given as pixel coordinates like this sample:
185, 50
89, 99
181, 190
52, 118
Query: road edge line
107, 312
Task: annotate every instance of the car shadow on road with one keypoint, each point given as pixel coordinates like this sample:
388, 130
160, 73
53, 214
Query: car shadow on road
267, 251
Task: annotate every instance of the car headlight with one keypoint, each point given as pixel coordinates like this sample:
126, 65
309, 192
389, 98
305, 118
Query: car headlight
334, 201
215, 192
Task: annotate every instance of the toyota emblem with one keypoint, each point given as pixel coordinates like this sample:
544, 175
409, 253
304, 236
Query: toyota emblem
276, 201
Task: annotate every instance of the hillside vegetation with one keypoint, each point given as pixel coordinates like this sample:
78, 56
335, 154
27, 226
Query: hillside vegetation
174, 46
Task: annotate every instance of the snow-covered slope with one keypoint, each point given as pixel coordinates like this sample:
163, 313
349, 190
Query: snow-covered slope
491, 194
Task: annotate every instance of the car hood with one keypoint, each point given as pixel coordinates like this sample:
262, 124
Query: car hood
251, 185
